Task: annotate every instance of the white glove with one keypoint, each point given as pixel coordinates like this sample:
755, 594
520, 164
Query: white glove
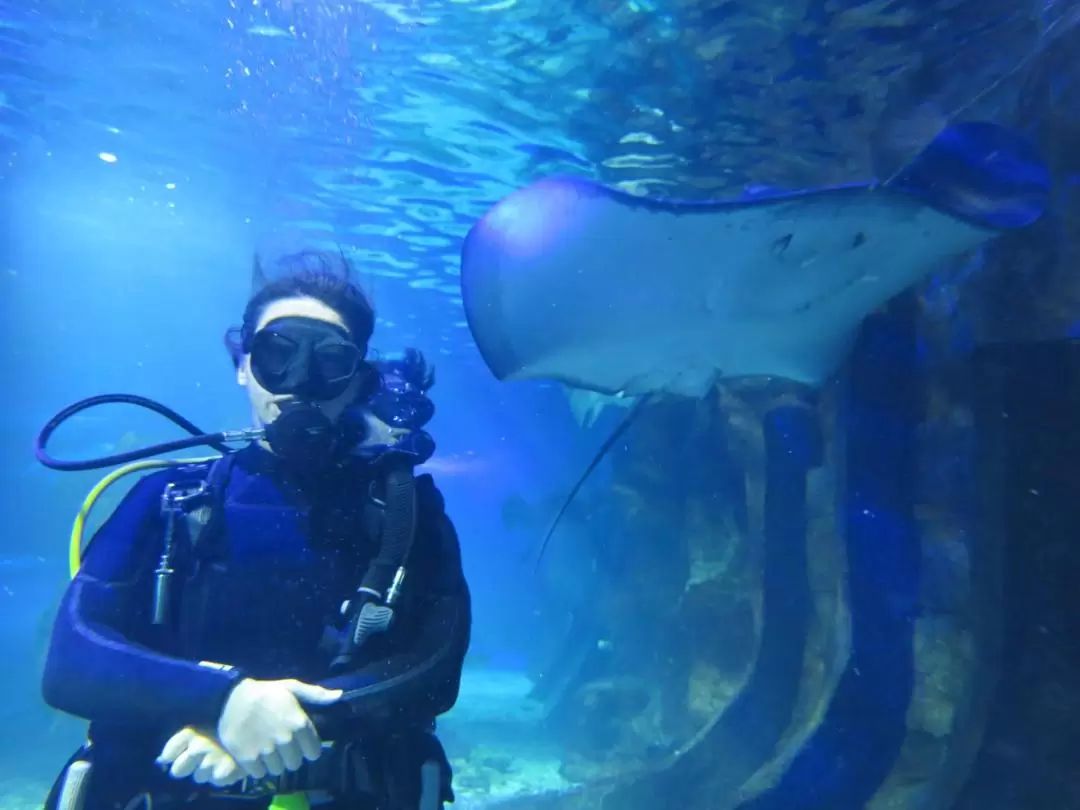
264, 728
190, 752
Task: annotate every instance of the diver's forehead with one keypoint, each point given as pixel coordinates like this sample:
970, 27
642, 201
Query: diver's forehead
300, 307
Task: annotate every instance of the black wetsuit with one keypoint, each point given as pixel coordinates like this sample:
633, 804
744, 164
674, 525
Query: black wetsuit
254, 600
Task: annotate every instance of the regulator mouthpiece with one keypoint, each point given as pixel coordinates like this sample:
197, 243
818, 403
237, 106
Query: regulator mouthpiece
304, 436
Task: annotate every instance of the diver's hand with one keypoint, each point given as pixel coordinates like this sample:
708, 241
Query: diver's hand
264, 728
194, 753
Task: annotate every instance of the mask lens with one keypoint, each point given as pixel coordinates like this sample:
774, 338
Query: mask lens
272, 354
336, 361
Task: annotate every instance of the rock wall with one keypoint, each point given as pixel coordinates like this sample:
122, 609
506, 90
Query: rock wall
957, 628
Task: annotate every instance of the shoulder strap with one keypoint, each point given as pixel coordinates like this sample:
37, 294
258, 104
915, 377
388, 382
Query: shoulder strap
205, 517
186, 505
392, 519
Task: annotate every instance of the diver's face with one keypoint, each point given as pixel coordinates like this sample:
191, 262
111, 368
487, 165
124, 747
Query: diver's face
266, 405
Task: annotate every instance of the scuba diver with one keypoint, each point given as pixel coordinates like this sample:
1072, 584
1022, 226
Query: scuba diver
281, 624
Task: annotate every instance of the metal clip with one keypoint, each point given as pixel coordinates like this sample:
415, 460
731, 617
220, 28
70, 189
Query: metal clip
375, 499
394, 591
176, 496
173, 502
243, 435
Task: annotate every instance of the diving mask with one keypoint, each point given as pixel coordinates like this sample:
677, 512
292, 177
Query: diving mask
310, 359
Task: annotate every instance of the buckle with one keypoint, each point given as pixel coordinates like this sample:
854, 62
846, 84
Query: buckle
176, 496
248, 789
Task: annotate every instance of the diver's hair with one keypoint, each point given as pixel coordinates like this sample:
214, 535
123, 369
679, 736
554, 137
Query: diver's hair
324, 276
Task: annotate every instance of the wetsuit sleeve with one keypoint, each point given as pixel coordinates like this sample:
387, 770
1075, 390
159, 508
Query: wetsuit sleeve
419, 677
100, 664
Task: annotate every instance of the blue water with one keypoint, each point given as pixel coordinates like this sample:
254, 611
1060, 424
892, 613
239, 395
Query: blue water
146, 156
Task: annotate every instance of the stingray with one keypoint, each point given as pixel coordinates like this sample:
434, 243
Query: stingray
571, 281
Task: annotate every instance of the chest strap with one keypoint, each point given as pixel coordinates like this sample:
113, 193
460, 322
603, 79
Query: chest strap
197, 510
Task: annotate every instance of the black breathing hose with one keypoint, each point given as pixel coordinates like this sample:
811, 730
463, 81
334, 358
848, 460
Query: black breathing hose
199, 438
